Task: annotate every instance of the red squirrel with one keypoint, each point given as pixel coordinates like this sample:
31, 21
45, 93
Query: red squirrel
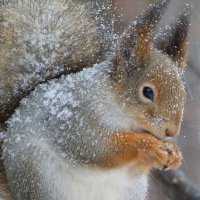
97, 133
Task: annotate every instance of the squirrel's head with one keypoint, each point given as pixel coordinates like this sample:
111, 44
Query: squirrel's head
147, 72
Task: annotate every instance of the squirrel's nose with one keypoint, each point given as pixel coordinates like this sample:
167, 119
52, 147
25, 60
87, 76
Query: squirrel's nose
173, 127
172, 131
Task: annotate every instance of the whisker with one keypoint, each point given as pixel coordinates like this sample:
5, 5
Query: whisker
191, 121
193, 102
192, 130
188, 88
185, 164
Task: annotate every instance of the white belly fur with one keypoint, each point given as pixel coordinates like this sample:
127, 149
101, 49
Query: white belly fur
65, 182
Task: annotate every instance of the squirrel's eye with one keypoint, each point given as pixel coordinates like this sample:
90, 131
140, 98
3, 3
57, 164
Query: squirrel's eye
148, 93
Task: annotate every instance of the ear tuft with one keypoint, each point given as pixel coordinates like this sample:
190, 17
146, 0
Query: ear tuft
137, 38
173, 39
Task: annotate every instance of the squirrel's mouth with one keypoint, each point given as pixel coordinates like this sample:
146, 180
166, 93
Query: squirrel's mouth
161, 138
158, 134
152, 134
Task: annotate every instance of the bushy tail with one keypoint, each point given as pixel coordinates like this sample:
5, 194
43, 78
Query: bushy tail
40, 40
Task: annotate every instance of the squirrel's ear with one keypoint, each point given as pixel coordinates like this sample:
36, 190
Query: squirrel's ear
173, 39
136, 40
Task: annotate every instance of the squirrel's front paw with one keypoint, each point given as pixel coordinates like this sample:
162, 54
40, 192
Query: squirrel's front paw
174, 155
162, 155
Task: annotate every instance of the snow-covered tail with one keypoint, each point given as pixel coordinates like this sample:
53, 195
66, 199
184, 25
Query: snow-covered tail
39, 41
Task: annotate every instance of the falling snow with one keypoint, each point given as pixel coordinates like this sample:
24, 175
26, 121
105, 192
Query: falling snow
65, 124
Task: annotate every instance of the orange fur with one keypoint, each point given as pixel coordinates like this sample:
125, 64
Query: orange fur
140, 148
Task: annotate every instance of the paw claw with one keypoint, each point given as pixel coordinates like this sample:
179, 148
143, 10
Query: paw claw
163, 155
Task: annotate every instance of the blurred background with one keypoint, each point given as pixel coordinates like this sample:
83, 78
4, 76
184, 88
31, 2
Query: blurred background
187, 179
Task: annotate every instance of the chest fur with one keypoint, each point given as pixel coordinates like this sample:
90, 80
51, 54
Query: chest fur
77, 183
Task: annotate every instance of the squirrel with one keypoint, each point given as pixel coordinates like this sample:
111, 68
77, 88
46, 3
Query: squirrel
97, 133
